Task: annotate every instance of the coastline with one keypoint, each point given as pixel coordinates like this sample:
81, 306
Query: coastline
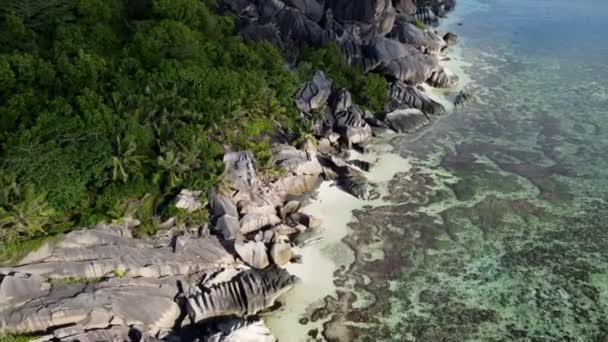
323, 261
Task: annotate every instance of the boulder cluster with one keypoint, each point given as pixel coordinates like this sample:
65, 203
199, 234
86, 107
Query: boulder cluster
210, 282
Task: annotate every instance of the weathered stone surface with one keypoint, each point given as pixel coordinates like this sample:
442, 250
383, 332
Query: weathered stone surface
143, 302
427, 16
100, 252
289, 208
297, 162
254, 253
407, 120
348, 119
399, 61
252, 222
189, 200
240, 170
439, 78
424, 40
311, 8
296, 27
298, 185
246, 294
314, 94
228, 226
406, 96
405, 7
281, 253
241, 331
373, 18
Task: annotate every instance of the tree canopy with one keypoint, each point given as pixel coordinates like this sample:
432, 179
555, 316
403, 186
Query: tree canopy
107, 102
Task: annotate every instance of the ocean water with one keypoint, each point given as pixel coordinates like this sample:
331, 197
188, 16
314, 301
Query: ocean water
499, 230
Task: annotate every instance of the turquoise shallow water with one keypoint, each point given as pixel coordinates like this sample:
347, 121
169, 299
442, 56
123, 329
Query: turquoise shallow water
500, 230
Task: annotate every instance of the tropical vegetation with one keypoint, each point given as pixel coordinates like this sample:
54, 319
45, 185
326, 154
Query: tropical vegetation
109, 107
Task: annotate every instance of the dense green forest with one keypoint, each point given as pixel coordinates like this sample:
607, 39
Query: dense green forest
109, 107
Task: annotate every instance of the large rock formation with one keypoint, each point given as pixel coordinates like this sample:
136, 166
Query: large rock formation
246, 294
105, 251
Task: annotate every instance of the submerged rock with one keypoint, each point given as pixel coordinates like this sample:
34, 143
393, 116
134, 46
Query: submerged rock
462, 99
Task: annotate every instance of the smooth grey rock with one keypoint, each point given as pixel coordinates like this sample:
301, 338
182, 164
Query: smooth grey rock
427, 16
228, 226
240, 170
373, 17
439, 78
410, 97
424, 40
281, 253
405, 7
298, 28
289, 208
247, 294
298, 185
398, 61
253, 222
253, 253
125, 302
96, 253
296, 162
314, 94
189, 200
311, 8
407, 120
222, 205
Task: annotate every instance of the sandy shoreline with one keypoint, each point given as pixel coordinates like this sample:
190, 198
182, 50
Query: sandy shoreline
334, 207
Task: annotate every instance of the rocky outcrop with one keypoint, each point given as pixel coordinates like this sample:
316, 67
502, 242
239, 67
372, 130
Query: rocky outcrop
462, 99
31, 304
253, 253
189, 200
247, 294
404, 96
407, 120
398, 61
425, 40
314, 94
104, 251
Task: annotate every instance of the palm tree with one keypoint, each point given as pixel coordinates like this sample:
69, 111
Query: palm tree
125, 161
171, 169
27, 218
